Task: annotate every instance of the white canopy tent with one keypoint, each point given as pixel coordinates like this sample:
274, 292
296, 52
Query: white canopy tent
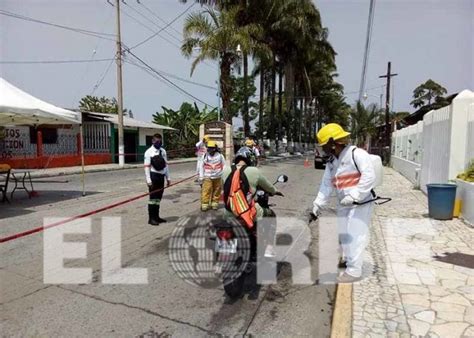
20, 108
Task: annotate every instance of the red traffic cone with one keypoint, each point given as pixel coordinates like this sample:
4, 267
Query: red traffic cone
306, 162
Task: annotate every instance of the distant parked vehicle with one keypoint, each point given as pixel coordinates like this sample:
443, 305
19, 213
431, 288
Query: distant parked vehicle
320, 158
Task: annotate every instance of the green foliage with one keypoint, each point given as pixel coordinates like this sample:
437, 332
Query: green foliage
286, 39
240, 93
425, 93
468, 175
364, 122
95, 104
214, 35
187, 121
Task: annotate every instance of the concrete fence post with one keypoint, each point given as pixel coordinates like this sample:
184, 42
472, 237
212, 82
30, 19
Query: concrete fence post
78, 143
39, 144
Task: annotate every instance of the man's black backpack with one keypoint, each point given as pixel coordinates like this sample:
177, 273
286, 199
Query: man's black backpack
158, 162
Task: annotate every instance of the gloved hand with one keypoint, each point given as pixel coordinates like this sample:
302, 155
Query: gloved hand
200, 181
348, 200
316, 210
315, 213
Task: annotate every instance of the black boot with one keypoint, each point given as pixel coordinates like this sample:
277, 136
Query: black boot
158, 219
342, 264
152, 214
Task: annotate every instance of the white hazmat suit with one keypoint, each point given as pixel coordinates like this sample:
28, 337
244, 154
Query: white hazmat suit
201, 150
352, 175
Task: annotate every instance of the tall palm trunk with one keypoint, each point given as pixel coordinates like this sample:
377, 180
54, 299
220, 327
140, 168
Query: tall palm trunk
226, 89
289, 94
245, 111
300, 124
295, 108
280, 101
272, 108
262, 102
309, 126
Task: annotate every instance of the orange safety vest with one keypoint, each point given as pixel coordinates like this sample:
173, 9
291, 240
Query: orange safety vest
238, 199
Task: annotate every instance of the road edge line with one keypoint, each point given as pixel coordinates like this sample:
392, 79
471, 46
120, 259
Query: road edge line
341, 325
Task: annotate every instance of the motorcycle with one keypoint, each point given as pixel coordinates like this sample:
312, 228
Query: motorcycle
236, 248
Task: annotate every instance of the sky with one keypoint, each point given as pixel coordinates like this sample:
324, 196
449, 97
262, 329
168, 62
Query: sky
422, 38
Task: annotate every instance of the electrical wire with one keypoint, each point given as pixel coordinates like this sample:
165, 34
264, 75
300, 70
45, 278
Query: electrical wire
53, 61
156, 33
101, 79
165, 27
148, 27
357, 92
153, 22
73, 29
171, 83
92, 57
176, 77
162, 20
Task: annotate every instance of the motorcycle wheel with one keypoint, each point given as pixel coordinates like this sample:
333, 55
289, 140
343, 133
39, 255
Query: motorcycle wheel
235, 287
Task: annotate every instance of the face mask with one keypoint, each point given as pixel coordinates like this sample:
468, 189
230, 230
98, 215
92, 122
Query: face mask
329, 149
157, 144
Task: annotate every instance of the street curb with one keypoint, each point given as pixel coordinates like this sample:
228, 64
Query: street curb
91, 169
341, 326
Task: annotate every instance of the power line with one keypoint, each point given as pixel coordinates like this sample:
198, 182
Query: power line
176, 77
93, 55
150, 68
148, 27
73, 29
166, 26
54, 61
155, 33
162, 20
101, 79
152, 22
357, 92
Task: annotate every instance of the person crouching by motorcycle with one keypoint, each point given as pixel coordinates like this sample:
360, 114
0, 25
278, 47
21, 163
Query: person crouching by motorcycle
256, 180
350, 172
156, 172
210, 172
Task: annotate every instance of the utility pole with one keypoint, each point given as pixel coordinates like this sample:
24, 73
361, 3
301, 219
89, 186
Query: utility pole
388, 136
370, 23
121, 148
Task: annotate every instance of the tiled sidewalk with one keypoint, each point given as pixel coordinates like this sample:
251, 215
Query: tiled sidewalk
407, 291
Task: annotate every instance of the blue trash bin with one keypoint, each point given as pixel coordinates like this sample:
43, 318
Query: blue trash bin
441, 199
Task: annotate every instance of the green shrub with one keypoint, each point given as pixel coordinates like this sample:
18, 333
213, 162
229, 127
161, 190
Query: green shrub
468, 175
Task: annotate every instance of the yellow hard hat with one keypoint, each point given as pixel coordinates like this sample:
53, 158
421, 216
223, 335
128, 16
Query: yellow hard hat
206, 138
211, 144
249, 143
331, 131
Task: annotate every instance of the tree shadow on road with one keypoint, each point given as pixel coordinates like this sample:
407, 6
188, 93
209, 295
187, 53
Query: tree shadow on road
21, 205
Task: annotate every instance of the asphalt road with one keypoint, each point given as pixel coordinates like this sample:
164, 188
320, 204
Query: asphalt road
167, 304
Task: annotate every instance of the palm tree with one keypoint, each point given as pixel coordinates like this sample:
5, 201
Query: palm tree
290, 49
216, 35
364, 122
